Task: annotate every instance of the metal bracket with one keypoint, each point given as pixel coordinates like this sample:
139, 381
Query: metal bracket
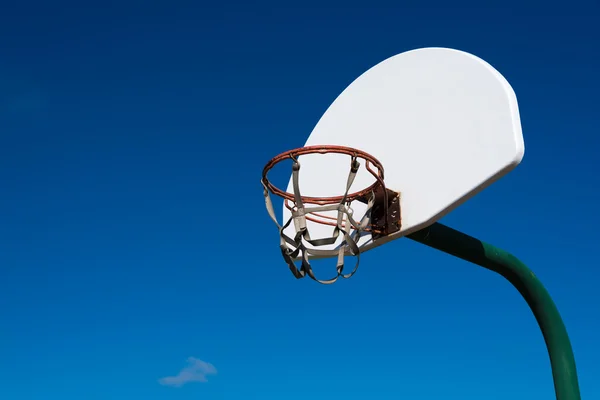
382, 223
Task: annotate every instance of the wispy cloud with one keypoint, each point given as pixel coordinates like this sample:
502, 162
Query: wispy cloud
196, 371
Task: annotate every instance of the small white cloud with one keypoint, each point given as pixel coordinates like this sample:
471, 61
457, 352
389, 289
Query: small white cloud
196, 371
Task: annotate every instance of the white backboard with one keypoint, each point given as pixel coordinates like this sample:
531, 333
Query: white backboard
444, 124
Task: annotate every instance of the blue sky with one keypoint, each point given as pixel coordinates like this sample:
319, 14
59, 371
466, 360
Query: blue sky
135, 251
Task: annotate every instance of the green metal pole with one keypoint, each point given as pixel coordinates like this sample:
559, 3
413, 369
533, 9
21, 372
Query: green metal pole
523, 279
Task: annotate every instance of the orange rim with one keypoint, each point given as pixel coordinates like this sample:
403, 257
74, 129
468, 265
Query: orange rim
325, 149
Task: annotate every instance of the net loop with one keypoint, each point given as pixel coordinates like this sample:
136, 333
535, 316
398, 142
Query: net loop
344, 226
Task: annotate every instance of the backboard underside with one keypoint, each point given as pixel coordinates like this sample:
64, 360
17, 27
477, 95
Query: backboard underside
444, 124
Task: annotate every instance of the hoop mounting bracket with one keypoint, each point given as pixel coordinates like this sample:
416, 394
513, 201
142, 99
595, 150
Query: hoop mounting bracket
385, 220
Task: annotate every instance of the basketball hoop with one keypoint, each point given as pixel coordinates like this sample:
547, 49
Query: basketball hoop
381, 218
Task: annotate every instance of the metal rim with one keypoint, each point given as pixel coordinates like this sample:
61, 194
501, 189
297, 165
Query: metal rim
325, 149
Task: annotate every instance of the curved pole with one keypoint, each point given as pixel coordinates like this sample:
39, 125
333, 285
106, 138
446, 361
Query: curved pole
460, 245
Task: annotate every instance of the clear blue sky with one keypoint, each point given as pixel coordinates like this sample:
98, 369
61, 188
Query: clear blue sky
133, 233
